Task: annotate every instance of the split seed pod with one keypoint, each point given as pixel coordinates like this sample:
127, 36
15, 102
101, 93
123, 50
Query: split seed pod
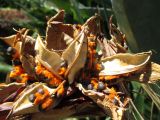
75, 55
23, 104
50, 59
103, 101
124, 63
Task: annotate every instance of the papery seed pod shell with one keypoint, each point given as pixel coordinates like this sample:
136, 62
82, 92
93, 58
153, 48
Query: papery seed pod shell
23, 105
75, 55
50, 59
124, 63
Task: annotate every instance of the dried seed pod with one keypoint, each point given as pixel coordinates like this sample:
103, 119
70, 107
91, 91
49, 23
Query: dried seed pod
75, 55
24, 104
10, 40
58, 35
103, 101
7, 89
46, 57
92, 25
58, 17
124, 63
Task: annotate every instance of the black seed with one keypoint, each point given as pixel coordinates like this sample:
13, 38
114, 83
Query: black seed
40, 90
29, 81
32, 97
64, 64
98, 55
90, 87
115, 101
11, 50
41, 77
16, 62
12, 79
101, 86
46, 79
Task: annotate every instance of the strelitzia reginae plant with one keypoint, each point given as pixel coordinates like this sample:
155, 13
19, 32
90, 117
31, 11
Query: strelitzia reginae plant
73, 66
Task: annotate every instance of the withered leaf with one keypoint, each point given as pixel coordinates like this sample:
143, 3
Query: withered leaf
27, 47
10, 40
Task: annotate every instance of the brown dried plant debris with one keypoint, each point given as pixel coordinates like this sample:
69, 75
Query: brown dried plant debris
47, 73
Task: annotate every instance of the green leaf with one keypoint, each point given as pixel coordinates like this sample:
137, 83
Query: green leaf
139, 21
4, 68
124, 23
155, 96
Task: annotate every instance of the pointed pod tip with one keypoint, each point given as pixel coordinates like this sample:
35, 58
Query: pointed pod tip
57, 17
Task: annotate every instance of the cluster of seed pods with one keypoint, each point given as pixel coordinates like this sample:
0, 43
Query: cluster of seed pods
41, 97
83, 62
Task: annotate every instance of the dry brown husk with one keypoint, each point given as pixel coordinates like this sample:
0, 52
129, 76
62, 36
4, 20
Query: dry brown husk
150, 74
73, 110
103, 101
24, 44
92, 25
10, 40
117, 43
7, 89
49, 59
58, 33
124, 63
16, 40
75, 55
22, 105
